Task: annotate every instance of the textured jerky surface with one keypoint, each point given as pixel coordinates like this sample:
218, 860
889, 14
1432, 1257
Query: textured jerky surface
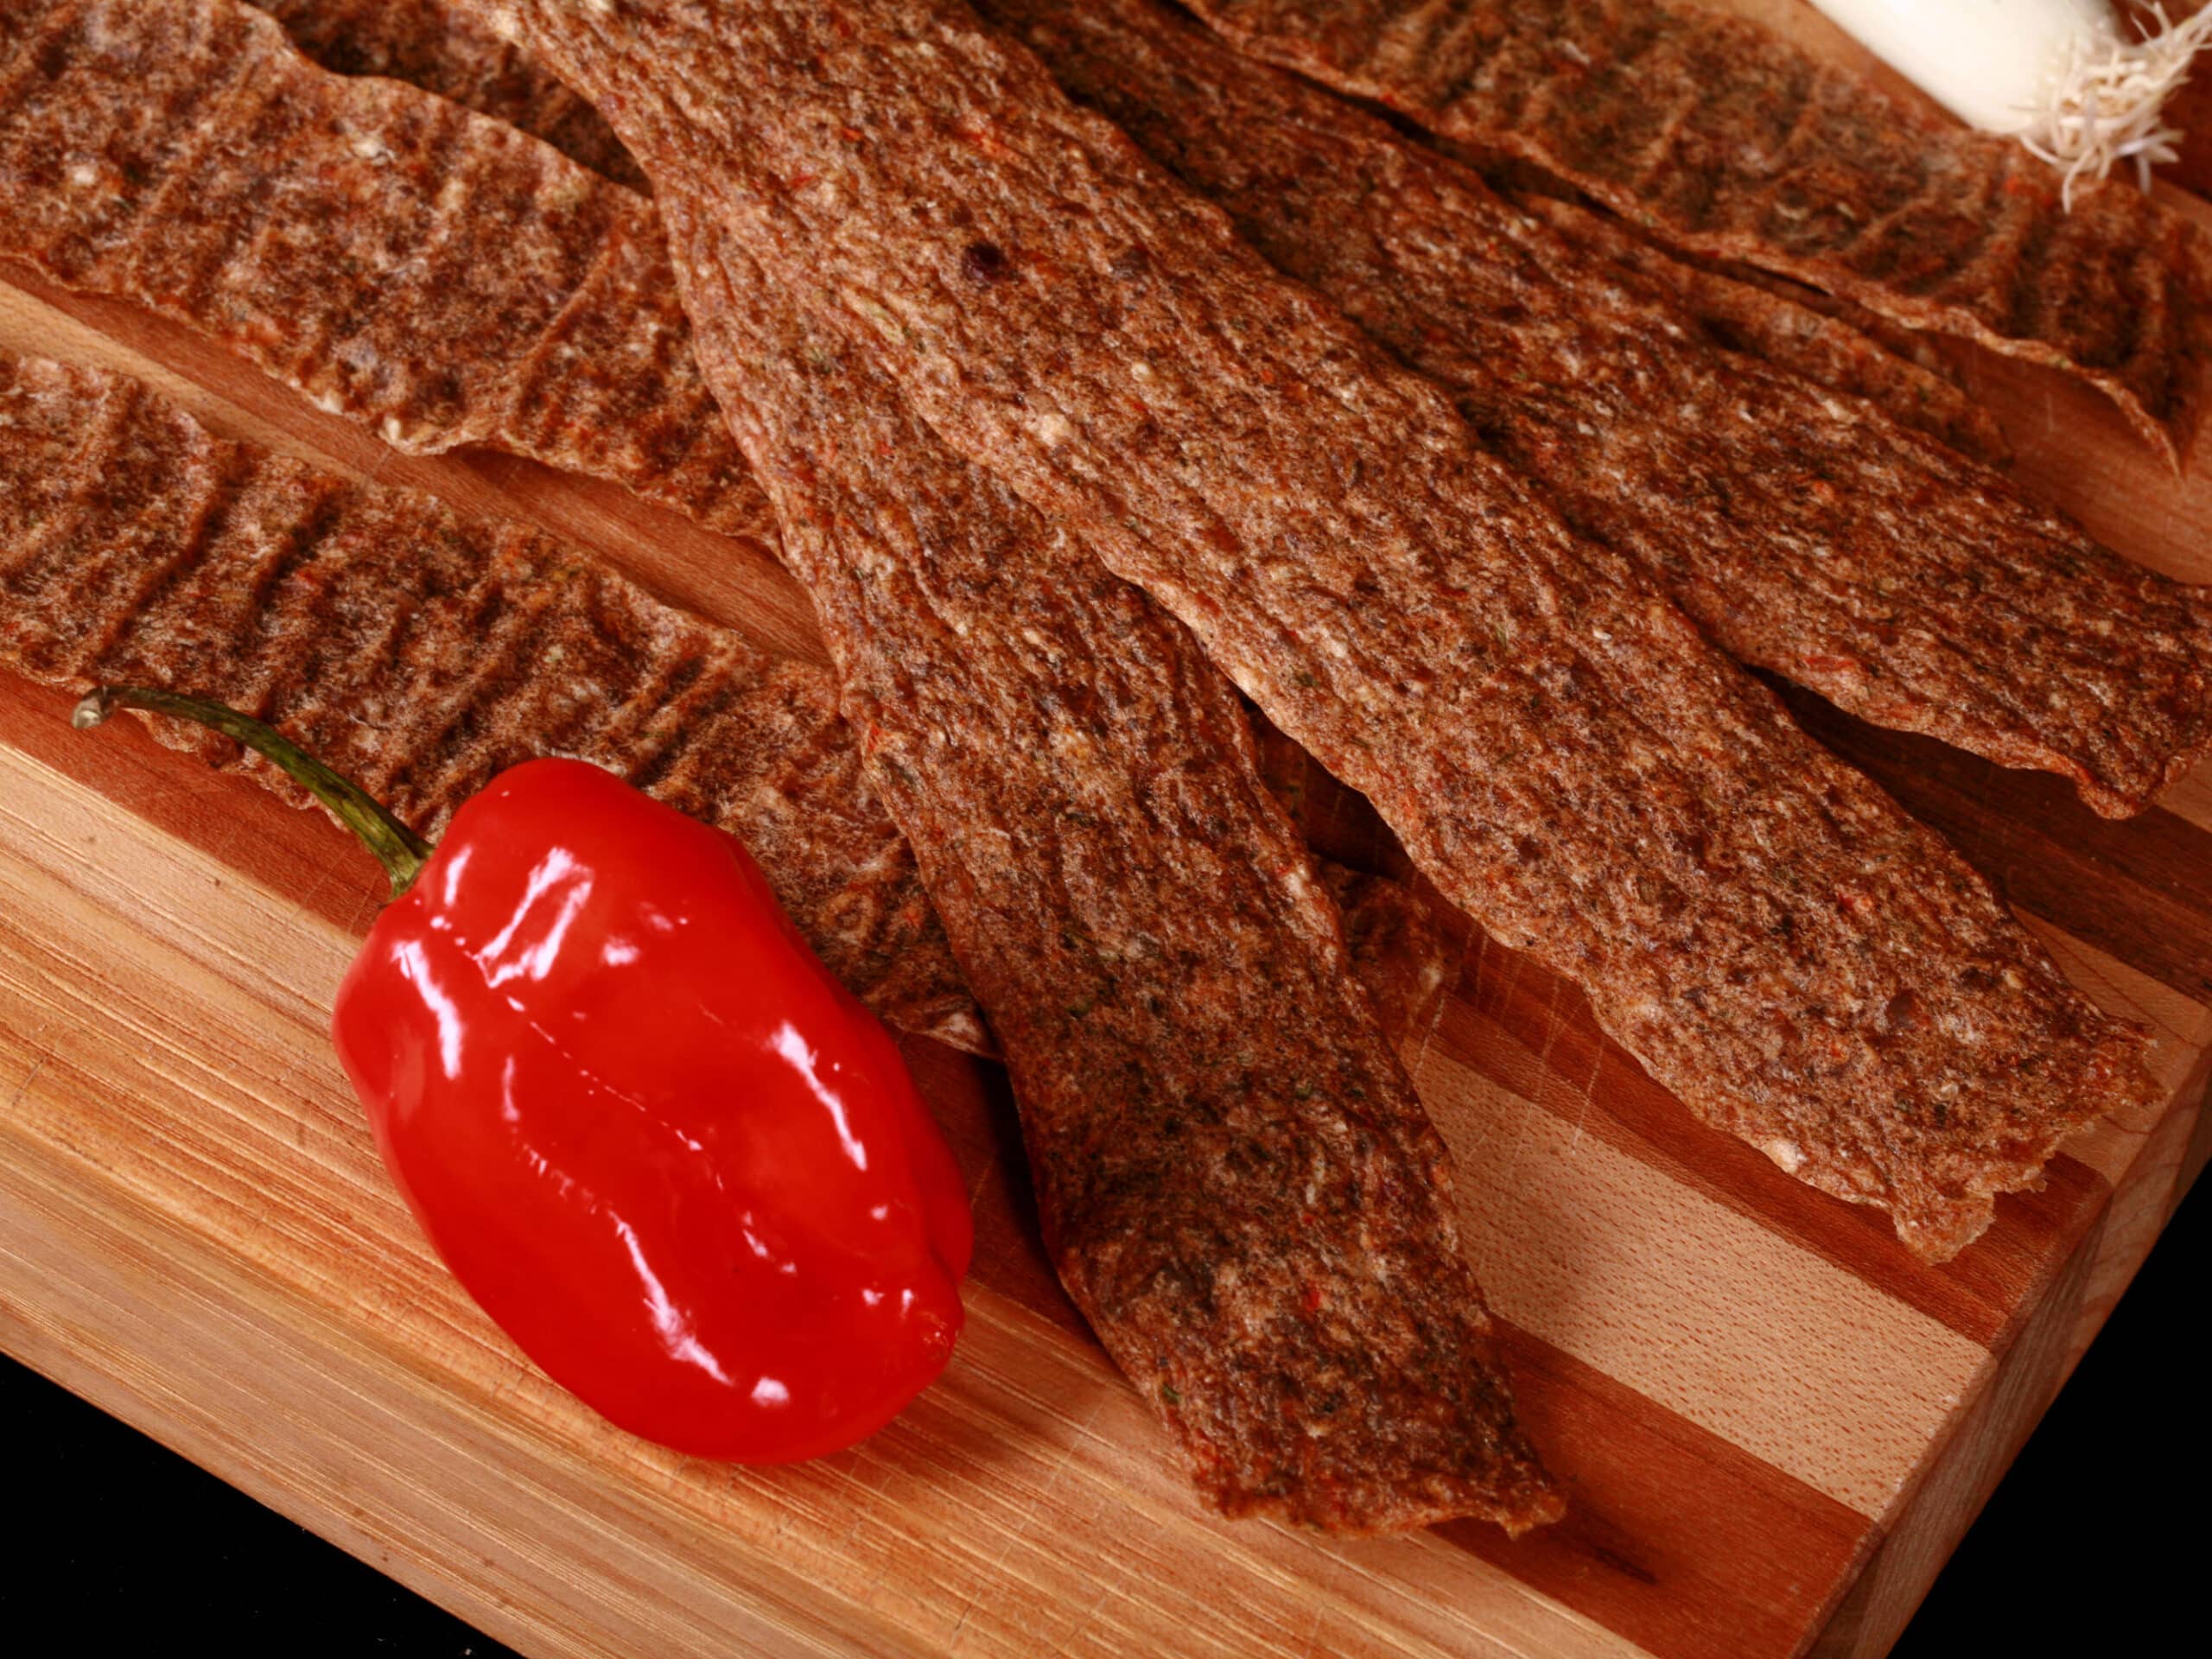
611, 385
1712, 132
182, 567
434, 274
1838, 345
1554, 742
1809, 535
1236, 1179
432, 45
421, 652
1520, 183
1791, 326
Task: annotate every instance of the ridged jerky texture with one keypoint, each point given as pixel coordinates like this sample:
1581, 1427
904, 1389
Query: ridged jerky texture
429, 44
135, 546
434, 274
1793, 528
612, 387
1561, 204
1838, 346
1555, 743
422, 652
1712, 132
1808, 534
1784, 324
1236, 1182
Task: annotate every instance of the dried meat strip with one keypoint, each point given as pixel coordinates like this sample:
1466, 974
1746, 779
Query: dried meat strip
1808, 536
1829, 341
1858, 353
1559, 748
1259, 1228
1526, 187
421, 651
434, 274
1756, 316
1713, 133
357, 617
567, 395
429, 44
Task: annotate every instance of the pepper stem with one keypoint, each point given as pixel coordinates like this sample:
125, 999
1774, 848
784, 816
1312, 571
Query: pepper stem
399, 849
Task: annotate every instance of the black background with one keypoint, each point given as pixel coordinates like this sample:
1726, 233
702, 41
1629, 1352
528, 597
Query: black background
2098, 1532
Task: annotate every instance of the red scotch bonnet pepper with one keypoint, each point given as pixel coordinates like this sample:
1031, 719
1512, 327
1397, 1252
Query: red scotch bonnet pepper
677, 1160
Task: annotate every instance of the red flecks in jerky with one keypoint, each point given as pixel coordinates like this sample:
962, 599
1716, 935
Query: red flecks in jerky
690, 711
1712, 132
1565, 700
455, 228
1808, 536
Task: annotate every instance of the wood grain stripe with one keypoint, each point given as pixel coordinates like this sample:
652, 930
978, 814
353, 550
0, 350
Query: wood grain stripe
220, 1110
2190, 800
1673, 1537
1646, 1278
2140, 889
1634, 1561
1523, 1030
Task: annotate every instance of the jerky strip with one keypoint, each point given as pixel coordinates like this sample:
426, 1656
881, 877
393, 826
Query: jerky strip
1713, 133
540, 395
421, 652
429, 44
1802, 332
1260, 1228
1792, 327
1788, 569
357, 615
1523, 185
1832, 342
1558, 746
434, 274
1808, 536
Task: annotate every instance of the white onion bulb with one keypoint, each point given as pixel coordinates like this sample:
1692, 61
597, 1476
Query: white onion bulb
2062, 75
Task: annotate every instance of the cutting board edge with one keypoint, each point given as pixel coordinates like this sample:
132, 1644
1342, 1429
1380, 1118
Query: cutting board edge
1871, 1601
2023, 1380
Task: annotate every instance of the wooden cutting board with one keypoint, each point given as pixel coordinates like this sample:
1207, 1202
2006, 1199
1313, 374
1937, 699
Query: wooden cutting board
1773, 1423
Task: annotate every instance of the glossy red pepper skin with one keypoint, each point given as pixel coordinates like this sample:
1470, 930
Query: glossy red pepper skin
660, 1145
